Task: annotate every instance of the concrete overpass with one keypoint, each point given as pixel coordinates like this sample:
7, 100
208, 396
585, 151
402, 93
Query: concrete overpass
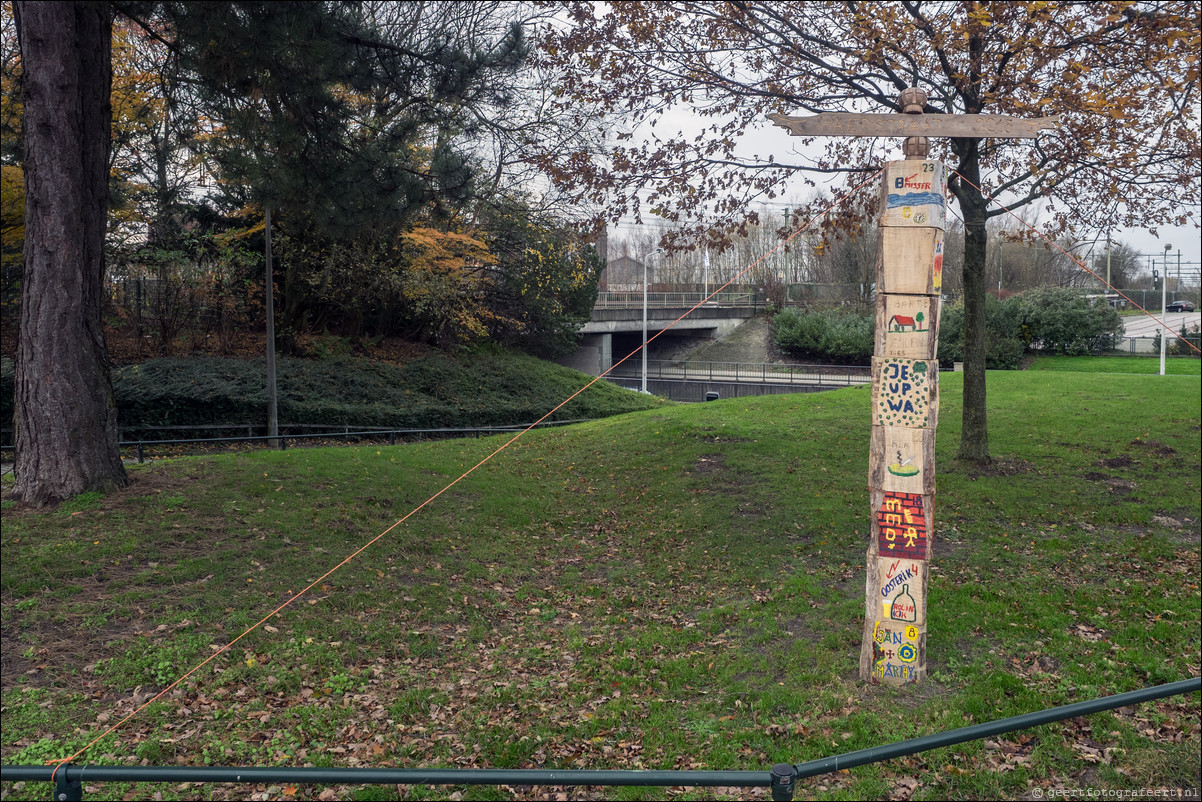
615, 327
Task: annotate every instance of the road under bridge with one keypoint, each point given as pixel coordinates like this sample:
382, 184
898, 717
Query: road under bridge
615, 328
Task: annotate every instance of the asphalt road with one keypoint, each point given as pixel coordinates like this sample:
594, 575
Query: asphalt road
1144, 326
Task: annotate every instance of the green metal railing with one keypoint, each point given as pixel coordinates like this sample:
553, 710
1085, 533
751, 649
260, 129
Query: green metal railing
781, 778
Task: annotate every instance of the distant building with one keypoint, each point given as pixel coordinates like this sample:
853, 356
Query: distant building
1113, 300
623, 274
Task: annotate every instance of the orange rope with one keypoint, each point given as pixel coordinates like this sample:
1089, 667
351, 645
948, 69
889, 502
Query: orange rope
59, 762
1078, 262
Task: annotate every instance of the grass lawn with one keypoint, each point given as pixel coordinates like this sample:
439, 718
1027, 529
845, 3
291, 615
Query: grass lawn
1174, 366
676, 588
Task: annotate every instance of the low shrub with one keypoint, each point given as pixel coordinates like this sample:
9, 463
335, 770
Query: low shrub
826, 335
1057, 320
487, 387
1004, 347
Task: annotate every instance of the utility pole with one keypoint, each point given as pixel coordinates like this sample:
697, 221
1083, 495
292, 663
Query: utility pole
273, 420
644, 260
1177, 288
1164, 305
1108, 260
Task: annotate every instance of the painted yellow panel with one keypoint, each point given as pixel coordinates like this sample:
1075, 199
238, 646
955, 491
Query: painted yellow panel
894, 652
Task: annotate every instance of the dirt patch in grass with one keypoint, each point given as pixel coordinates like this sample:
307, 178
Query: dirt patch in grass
1002, 466
1117, 462
707, 464
718, 478
65, 648
142, 482
1156, 447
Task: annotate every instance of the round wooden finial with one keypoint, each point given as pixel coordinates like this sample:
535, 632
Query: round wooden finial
911, 100
916, 148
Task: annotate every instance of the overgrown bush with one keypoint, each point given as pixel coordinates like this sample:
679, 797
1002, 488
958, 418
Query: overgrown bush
827, 335
1004, 347
482, 388
1056, 320
1050, 320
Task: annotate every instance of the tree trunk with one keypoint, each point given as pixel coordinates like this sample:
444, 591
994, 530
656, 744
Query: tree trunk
65, 414
974, 434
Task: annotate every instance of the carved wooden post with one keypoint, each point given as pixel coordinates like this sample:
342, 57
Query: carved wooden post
905, 407
905, 372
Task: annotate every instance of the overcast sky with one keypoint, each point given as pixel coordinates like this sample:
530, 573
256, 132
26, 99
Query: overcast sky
769, 139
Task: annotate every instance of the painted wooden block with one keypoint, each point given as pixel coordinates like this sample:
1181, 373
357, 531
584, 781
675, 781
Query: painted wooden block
902, 459
910, 260
905, 392
907, 326
893, 652
914, 194
897, 586
901, 524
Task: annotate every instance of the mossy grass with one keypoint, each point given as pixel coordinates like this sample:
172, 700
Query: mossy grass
675, 588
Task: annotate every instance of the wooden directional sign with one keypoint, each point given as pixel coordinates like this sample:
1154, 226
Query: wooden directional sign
905, 370
955, 125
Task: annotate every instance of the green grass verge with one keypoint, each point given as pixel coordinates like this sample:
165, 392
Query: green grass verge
1174, 366
677, 588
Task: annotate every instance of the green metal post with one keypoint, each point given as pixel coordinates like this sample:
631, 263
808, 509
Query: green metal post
67, 789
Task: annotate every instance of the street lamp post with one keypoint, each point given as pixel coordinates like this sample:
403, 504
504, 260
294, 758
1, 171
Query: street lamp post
644, 260
1164, 306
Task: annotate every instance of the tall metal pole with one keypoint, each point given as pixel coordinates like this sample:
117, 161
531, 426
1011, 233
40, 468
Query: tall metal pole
1108, 261
644, 385
1164, 303
999, 269
273, 423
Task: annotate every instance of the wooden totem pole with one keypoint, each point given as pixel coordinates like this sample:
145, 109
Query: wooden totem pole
905, 371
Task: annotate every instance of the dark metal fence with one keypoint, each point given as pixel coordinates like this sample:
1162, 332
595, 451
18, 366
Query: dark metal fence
296, 432
674, 300
781, 778
693, 391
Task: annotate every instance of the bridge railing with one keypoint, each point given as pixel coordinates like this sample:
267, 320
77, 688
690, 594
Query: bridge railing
762, 372
676, 300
